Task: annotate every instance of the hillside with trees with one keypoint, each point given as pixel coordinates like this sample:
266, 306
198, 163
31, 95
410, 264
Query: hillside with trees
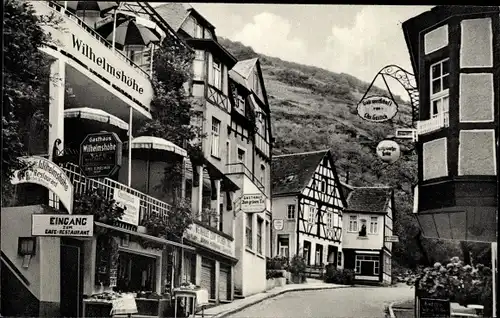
314, 109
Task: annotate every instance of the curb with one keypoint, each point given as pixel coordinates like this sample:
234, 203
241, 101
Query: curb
233, 311
391, 311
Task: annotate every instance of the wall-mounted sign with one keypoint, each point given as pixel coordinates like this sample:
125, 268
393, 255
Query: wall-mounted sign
62, 225
210, 239
377, 108
434, 308
130, 203
392, 239
278, 224
47, 174
100, 154
388, 150
124, 305
253, 203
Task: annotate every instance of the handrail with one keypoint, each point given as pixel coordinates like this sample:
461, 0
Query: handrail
245, 171
97, 36
148, 204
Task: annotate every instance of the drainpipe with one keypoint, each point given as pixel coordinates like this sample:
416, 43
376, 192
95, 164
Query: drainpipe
129, 181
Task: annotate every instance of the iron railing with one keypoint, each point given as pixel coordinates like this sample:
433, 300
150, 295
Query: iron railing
240, 167
148, 205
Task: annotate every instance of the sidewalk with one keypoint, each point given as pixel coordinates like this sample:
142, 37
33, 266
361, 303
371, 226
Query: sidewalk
407, 310
240, 304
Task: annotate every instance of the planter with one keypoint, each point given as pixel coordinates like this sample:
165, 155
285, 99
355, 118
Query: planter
278, 282
297, 279
270, 283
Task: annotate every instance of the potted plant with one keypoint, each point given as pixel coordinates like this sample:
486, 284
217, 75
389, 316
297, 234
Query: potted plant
298, 269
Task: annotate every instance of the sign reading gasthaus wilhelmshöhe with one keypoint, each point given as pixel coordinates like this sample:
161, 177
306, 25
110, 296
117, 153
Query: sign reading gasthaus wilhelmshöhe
377, 109
47, 174
253, 203
62, 225
100, 154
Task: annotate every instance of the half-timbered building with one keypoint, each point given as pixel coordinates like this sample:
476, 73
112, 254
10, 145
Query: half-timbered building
307, 204
368, 227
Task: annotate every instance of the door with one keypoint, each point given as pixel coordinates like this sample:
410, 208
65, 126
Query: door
224, 282
367, 268
332, 255
208, 276
71, 278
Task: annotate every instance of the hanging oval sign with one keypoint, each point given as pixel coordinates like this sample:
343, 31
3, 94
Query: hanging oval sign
377, 108
388, 150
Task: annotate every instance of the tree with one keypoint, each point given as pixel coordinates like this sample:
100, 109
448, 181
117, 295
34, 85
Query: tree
26, 75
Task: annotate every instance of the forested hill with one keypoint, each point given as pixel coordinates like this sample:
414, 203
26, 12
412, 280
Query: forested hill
314, 109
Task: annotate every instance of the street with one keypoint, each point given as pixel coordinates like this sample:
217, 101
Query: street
355, 302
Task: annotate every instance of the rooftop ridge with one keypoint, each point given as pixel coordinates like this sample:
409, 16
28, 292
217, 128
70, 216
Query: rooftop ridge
301, 153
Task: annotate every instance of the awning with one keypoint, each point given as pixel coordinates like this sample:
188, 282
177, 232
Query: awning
148, 237
150, 142
95, 114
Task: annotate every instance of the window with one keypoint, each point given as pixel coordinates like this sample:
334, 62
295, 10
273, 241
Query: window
198, 64
324, 185
362, 231
215, 137
373, 225
263, 174
329, 219
339, 259
312, 214
259, 235
241, 155
240, 103
217, 74
353, 223
198, 31
283, 246
248, 230
440, 88
367, 264
291, 211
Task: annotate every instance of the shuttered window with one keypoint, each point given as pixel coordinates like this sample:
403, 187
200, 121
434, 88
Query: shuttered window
215, 137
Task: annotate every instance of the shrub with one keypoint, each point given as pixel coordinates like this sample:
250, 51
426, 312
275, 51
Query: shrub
277, 262
338, 276
274, 274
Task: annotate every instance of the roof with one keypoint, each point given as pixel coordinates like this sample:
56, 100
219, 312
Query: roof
173, 13
369, 199
291, 173
242, 70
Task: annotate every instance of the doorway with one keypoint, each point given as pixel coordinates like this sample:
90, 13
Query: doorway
71, 277
332, 255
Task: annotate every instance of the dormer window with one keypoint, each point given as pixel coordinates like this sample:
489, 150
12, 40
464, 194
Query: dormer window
439, 77
198, 30
240, 102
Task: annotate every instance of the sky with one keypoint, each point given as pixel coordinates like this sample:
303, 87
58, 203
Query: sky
355, 39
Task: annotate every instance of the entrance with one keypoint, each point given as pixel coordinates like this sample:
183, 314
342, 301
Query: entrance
332, 255
71, 277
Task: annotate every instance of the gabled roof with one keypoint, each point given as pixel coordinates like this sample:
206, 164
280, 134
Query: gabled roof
369, 199
173, 13
241, 71
291, 173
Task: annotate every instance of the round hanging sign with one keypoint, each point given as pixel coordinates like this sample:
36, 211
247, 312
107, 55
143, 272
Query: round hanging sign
377, 109
388, 150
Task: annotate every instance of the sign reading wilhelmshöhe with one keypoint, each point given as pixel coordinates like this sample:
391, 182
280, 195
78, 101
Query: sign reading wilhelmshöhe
62, 225
100, 154
253, 203
388, 150
46, 173
377, 109
210, 239
130, 203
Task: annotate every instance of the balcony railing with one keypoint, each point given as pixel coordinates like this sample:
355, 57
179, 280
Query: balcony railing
237, 168
433, 124
97, 36
148, 205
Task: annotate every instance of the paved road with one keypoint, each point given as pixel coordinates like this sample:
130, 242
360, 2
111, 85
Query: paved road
356, 302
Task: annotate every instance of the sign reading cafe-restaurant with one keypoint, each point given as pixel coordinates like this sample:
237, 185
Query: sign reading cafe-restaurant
47, 174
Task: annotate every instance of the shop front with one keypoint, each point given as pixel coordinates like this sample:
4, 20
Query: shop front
212, 266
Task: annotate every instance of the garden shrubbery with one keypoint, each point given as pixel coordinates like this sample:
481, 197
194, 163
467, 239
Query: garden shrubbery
338, 276
273, 273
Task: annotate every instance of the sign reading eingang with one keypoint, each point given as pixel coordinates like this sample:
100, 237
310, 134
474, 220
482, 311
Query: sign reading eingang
62, 225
